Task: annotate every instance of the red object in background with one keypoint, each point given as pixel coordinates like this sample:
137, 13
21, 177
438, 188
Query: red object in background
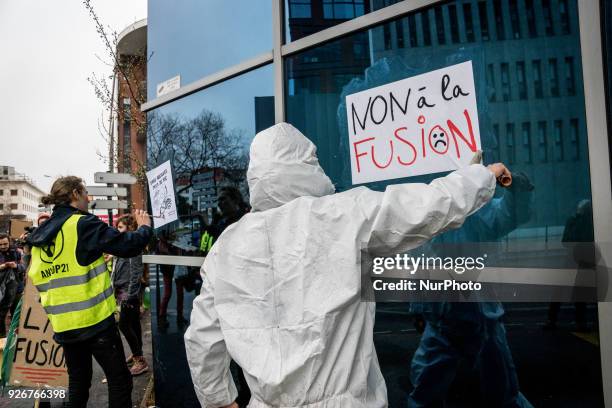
104, 217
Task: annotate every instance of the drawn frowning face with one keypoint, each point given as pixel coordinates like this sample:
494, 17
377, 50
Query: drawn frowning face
438, 139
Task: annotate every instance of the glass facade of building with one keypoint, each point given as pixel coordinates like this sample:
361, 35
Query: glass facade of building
530, 101
527, 67
193, 38
528, 70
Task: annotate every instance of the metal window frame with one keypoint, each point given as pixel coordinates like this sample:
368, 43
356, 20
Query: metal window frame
595, 103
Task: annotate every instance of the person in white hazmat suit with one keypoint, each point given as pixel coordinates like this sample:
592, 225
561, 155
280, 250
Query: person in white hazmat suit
281, 287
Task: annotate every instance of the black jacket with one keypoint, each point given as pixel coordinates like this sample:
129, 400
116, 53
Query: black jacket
94, 239
127, 273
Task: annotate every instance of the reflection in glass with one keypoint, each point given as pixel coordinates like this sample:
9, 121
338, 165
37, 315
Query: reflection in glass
206, 137
194, 38
519, 120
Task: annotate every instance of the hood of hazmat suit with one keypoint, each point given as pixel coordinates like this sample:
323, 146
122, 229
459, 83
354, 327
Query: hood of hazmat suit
281, 287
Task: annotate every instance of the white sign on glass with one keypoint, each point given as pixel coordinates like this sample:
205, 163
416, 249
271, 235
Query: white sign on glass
161, 190
168, 85
419, 125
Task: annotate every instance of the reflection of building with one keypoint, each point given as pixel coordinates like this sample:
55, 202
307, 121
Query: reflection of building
310, 16
530, 52
19, 196
131, 122
532, 69
263, 106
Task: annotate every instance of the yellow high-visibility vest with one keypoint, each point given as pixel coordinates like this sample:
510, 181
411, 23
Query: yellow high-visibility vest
74, 296
206, 242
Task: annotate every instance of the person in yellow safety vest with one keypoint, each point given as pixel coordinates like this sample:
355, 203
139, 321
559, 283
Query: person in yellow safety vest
68, 269
231, 208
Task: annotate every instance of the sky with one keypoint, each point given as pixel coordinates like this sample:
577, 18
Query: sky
49, 113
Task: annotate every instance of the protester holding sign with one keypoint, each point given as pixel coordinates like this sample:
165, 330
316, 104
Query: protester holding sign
281, 290
68, 269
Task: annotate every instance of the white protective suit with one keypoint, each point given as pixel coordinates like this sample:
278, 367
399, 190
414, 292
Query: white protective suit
281, 290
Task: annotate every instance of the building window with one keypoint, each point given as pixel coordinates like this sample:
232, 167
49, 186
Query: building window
439, 25
469, 22
299, 9
565, 22
454, 23
537, 78
484, 21
514, 19
526, 130
522, 81
531, 21
426, 28
496, 146
554, 77
14, 192
1, 192
13, 206
387, 36
412, 30
1, 206
399, 32
505, 82
574, 139
342, 9
548, 21
491, 82
558, 140
499, 20
542, 142
570, 81
510, 151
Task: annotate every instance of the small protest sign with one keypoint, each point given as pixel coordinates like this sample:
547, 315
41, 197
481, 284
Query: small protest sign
161, 189
419, 125
18, 227
38, 360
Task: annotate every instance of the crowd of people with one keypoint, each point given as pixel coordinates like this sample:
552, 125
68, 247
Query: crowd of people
88, 304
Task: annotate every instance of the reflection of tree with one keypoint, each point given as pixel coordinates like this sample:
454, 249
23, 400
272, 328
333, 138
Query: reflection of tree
202, 142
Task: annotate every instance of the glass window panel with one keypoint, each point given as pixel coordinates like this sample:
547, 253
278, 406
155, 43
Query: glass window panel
412, 30
426, 27
520, 77
559, 140
454, 23
564, 16
531, 21
553, 77
514, 19
206, 137
537, 78
325, 14
527, 148
469, 22
483, 17
399, 33
510, 144
439, 25
322, 76
548, 20
194, 38
569, 76
499, 20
